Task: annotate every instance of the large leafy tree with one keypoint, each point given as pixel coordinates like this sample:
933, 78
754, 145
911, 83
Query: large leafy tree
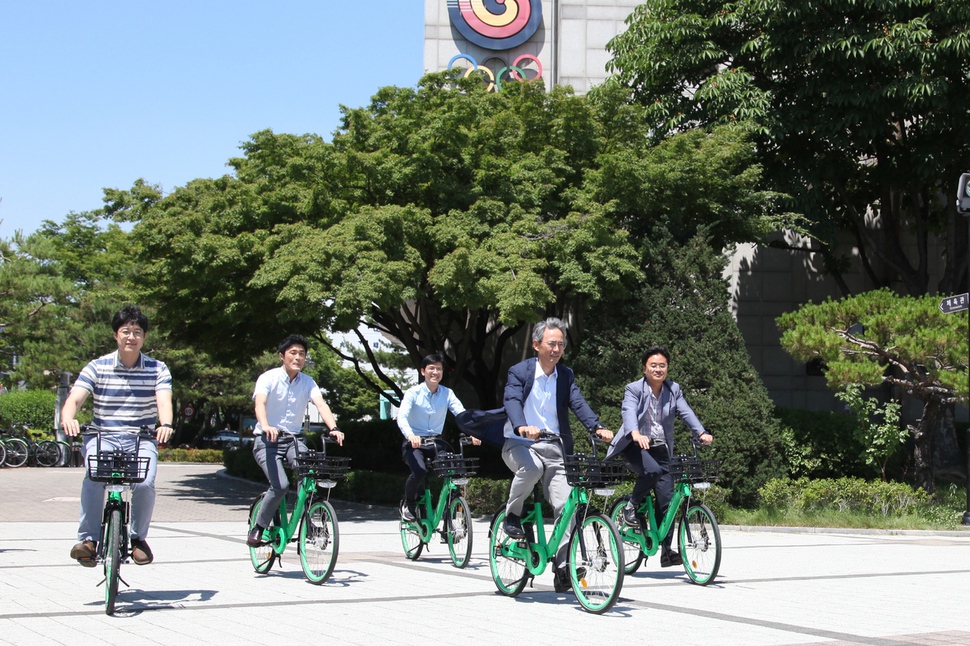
444, 217
59, 288
860, 110
882, 338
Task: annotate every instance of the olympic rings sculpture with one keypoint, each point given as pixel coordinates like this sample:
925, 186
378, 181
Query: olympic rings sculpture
496, 24
495, 79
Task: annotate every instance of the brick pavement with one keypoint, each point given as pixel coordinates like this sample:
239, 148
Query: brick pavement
774, 588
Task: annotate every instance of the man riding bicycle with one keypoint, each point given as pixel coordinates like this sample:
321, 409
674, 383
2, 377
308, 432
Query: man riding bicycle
130, 390
538, 396
281, 396
646, 439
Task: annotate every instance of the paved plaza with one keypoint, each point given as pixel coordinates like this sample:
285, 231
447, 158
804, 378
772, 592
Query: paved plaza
774, 587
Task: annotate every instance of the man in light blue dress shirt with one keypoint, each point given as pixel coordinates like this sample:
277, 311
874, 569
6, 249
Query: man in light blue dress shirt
422, 416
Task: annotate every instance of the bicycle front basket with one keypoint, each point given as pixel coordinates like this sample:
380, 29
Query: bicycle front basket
453, 465
321, 466
691, 469
117, 466
588, 471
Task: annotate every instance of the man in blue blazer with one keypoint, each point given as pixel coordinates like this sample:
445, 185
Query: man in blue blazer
538, 397
646, 439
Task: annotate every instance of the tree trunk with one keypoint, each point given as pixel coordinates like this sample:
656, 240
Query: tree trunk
924, 436
947, 460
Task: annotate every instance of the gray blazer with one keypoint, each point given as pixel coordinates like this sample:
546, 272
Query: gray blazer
672, 404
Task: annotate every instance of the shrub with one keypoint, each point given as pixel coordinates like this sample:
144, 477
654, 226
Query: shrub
207, 456
31, 408
822, 444
843, 495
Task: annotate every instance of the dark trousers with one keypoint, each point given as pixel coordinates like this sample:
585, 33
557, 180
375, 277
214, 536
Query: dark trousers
651, 467
418, 460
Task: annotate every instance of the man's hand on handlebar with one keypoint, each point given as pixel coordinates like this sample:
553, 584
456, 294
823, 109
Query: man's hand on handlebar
71, 427
528, 432
164, 433
270, 433
605, 434
339, 436
706, 438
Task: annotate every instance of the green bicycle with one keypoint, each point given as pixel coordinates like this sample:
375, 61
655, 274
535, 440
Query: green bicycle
594, 553
698, 537
451, 507
313, 523
118, 470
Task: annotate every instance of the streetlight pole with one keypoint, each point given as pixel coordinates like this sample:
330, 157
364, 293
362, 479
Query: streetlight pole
963, 207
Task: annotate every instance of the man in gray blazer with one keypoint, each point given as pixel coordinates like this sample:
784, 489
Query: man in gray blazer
646, 439
538, 396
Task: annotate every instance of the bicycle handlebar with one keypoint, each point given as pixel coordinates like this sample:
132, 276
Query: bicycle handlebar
90, 430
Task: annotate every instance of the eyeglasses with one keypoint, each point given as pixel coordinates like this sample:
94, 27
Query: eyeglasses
552, 345
135, 334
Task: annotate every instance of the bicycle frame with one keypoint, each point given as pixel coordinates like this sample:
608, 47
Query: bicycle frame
650, 538
427, 523
537, 551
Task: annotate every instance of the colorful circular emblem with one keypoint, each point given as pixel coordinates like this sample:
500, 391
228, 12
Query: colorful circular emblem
496, 24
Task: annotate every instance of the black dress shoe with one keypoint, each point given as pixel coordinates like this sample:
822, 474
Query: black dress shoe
255, 537
561, 581
513, 527
630, 515
669, 558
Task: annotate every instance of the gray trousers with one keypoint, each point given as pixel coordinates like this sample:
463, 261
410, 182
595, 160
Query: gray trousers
270, 456
142, 494
531, 463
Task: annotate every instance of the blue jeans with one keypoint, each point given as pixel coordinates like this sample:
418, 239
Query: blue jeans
142, 494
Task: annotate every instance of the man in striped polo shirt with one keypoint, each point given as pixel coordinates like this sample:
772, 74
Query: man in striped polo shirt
130, 390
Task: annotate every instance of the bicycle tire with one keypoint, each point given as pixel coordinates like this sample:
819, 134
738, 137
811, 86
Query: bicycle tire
633, 556
319, 542
510, 574
598, 578
411, 539
112, 560
699, 540
3, 454
17, 452
459, 527
262, 557
64, 453
46, 453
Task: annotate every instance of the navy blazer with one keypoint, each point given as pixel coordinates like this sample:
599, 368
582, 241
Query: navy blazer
568, 397
672, 404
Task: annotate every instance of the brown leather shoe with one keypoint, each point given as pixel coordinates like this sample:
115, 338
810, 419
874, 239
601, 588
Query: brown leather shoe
141, 554
86, 553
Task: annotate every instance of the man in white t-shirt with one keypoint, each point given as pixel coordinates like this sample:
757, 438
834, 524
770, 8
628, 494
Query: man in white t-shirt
281, 397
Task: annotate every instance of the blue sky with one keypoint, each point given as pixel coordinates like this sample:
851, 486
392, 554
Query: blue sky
99, 94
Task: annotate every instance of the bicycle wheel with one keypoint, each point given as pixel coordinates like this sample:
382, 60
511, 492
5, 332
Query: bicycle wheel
263, 556
46, 453
459, 531
509, 573
112, 560
700, 544
319, 542
632, 554
64, 453
597, 577
3, 453
411, 538
17, 452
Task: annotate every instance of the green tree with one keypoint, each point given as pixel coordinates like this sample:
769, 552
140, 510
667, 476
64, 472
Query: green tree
880, 439
882, 338
443, 217
859, 108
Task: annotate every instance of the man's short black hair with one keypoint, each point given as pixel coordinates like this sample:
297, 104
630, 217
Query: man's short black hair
657, 349
435, 357
129, 314
293, 339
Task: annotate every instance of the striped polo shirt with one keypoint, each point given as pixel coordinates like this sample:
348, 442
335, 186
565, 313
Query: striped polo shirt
124, 398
